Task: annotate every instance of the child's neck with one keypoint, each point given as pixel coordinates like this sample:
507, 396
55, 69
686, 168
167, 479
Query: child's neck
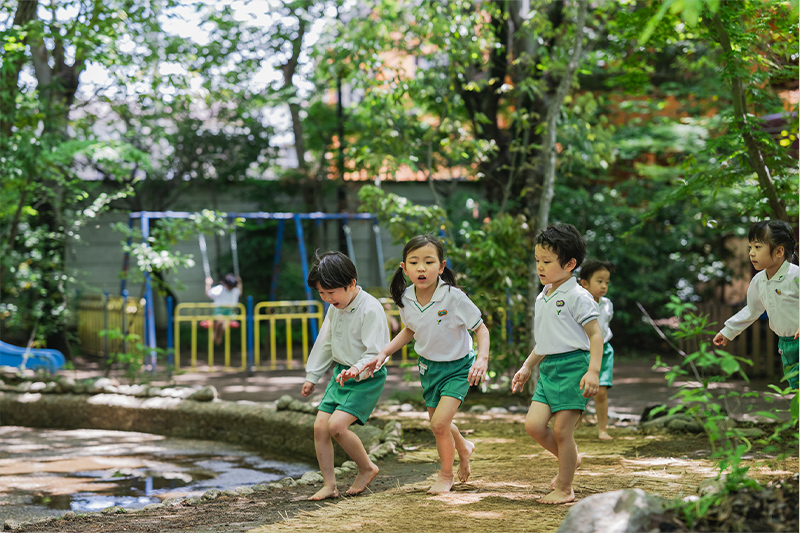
556, 284
771, 271
424, 295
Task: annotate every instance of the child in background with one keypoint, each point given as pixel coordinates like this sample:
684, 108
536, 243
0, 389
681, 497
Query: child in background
773, 289
353, 332
594, 277
569, 345
439, 316
225, 295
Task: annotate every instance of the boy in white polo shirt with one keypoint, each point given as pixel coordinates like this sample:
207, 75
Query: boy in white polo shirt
569, 345
353, 332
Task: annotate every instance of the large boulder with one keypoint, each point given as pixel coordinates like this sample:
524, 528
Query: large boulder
621, 511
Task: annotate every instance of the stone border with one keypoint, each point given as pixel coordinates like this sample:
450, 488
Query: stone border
282, 427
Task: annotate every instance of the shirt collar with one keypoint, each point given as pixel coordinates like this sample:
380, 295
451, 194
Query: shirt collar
438, 294
566, 286
780, 275
356, 301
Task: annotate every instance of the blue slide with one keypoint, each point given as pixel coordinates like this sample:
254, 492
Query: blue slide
48, 359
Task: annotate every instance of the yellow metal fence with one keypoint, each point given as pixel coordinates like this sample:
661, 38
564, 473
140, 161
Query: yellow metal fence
202, 315
105, 312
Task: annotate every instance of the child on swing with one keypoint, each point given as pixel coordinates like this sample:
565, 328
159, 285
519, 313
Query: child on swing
224, 295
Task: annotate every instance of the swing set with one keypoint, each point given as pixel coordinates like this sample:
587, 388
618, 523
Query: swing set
249, 328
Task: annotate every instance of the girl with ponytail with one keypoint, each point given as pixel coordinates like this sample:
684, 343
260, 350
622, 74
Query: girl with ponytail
438, 316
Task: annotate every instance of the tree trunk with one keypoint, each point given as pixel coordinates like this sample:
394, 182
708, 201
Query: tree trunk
755, 155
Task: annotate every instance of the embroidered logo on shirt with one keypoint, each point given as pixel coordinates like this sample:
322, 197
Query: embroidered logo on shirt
778, 291
559, 303
441, 313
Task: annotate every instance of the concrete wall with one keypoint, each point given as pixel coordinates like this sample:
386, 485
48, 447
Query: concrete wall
95, 258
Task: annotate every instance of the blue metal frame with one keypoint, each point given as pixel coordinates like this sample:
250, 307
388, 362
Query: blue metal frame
146, 216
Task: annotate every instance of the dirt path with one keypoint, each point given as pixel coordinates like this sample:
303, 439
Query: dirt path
509, 471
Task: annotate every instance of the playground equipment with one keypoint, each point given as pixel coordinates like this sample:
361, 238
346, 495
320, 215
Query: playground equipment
345, 219
33, 358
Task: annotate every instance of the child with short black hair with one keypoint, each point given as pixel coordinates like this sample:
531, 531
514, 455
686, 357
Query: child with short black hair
439, 316
569, 345
353, 332
773, 289
595, 275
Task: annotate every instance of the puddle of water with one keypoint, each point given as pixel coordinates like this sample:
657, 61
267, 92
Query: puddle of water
49, 472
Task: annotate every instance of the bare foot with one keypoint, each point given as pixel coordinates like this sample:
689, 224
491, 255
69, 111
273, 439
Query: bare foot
324, 493
442, 484
463, 462
554, 481
603, 435
362, 480
557, 497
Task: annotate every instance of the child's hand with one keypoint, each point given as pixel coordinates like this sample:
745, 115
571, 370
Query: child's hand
375, 364
308, 388
478, 371
590, 384
796, 334
520, 378
344, 375
721, 340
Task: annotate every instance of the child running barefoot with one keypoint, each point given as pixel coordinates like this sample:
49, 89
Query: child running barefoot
773, 289
353, 332
439, 317
569, 345
594, 277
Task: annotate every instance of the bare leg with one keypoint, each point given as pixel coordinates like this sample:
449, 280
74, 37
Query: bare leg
219, 332
324, 448
563, 429
442, 427
536, 421
339, 428
601, 405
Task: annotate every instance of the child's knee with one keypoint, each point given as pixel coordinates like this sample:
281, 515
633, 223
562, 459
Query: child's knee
602, 395
536, 429
440, 428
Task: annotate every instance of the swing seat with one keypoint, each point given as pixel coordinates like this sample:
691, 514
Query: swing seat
205, 324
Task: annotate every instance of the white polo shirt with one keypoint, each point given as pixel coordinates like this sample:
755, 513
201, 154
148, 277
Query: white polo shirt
350, 336
440, 326
560, 317
606, 312
222, 295
777, 296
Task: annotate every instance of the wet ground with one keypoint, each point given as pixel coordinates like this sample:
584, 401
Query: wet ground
48, 472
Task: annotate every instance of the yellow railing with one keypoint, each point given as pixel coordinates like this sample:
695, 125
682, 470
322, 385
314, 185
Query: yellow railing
99, 312
203, 314
285, 313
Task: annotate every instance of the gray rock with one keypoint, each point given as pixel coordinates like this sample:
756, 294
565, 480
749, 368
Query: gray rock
104, 385
392, 432
229, 494
261, 487
37, 386
153, 391
478, 409
50, 387
341, 471
114, 510
193, 500
350, 464
383, 450
370, 435
498, 411
211, 495
621, 511
205, 394
243, 491
310, 478
69, 515
406, 407
284, 402
153, 507
172, 502
287, 482
11, 525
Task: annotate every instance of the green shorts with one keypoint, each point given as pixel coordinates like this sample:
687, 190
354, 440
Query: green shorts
358, 398
448, 378
560, 380
788, 348
607, 368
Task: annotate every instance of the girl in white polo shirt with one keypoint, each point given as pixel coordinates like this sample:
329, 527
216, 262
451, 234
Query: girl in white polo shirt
773, 289
439, 317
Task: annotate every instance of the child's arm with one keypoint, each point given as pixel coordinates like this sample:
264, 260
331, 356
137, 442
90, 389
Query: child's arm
307, 389
321, 356
239, 284
478, 371
741, 320
524, 372
209, 284
590, 382
401, 339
